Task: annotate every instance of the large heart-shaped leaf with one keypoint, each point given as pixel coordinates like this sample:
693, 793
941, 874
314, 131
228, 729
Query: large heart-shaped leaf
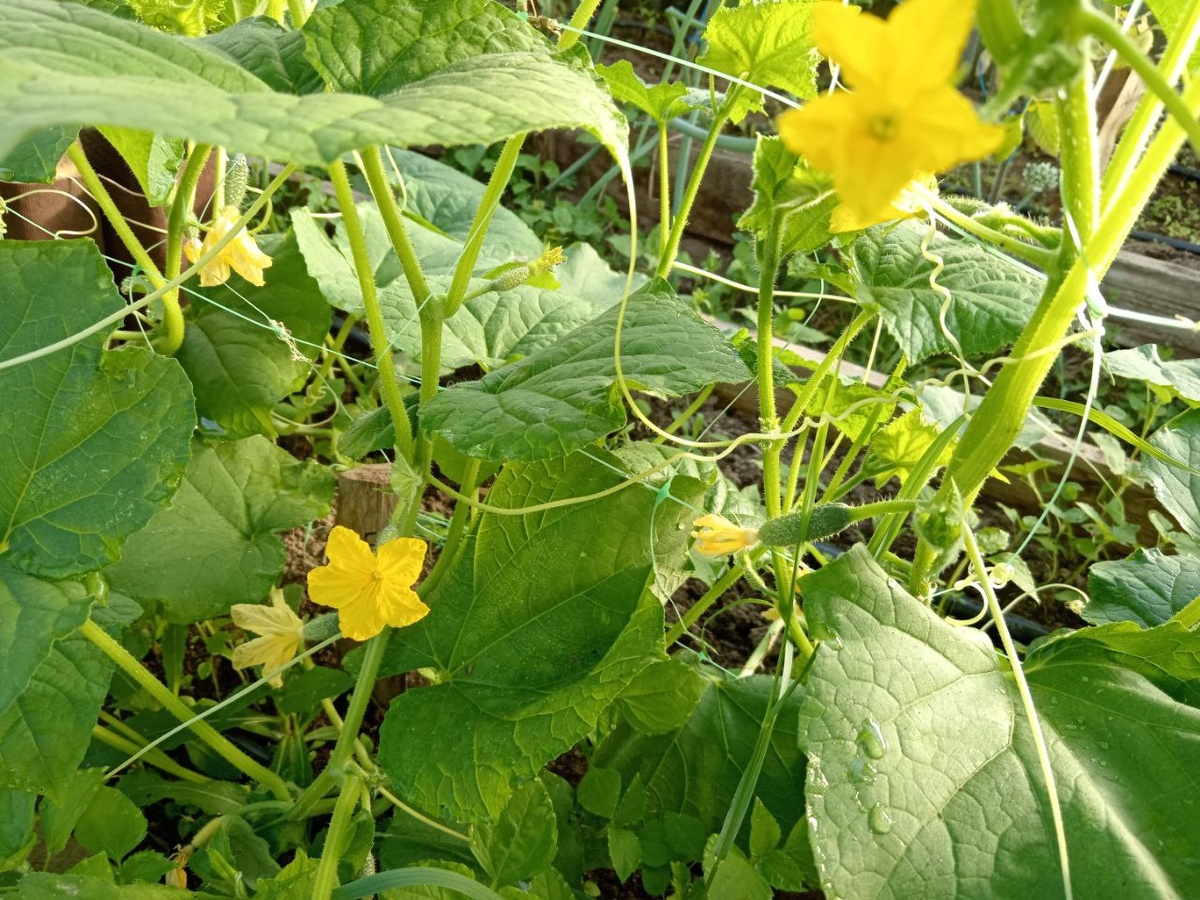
991, 297
66, 64
539, 626
217, 544
923, 778
562, 397
92, 442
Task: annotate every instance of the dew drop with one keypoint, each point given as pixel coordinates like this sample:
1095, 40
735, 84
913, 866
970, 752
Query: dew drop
1104, 745
861, 771
870, 739
878, 820
7, 175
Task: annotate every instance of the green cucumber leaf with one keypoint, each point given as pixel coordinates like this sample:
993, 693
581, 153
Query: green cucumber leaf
898, 448
1146, 587
35, 159
34, 613
240, 371
263, 47
923, 775
1176, 488
489, 329
785, 188
45, 732
767, 44
376, 47
662, 102
662, 696
1180, 377
66, 64
992, 298
217, 544
92, 442
112, 824
539, 625
17, 834
562, 397
153, 160
693, 770
522, 842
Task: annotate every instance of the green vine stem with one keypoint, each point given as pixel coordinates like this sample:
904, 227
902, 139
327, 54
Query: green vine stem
100, 194
155, 757
181, 207
430, 314
499, 179
832, 358
1037, 256
388, 384
1080, 173
1145, 117
692, 408
497, 183
664, 190
1104, 28
299, 12
1000, 415
671, 248
325, 879
458, 528
172, 315
335, 768
744, 794
701, 606
1031, 713
220, 745
768, 263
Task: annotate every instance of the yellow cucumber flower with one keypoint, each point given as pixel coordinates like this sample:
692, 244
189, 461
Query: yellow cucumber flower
369, 590
904, 118
717, 536
241, 254
282, 635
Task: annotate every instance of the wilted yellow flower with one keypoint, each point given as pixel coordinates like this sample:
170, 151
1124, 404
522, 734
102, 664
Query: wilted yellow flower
369, 590
717, 536
241, 254
904, 118
282, 635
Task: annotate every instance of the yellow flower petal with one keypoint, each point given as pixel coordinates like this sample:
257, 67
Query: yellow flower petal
241, 254
717, 536
929, 36
282, 635
833, 24
905, 118
370, 592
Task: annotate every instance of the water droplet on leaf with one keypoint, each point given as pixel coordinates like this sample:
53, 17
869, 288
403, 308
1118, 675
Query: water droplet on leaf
870, 739
878, 820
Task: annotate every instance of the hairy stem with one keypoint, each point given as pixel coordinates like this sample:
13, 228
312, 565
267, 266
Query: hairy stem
388, 384
219, 744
